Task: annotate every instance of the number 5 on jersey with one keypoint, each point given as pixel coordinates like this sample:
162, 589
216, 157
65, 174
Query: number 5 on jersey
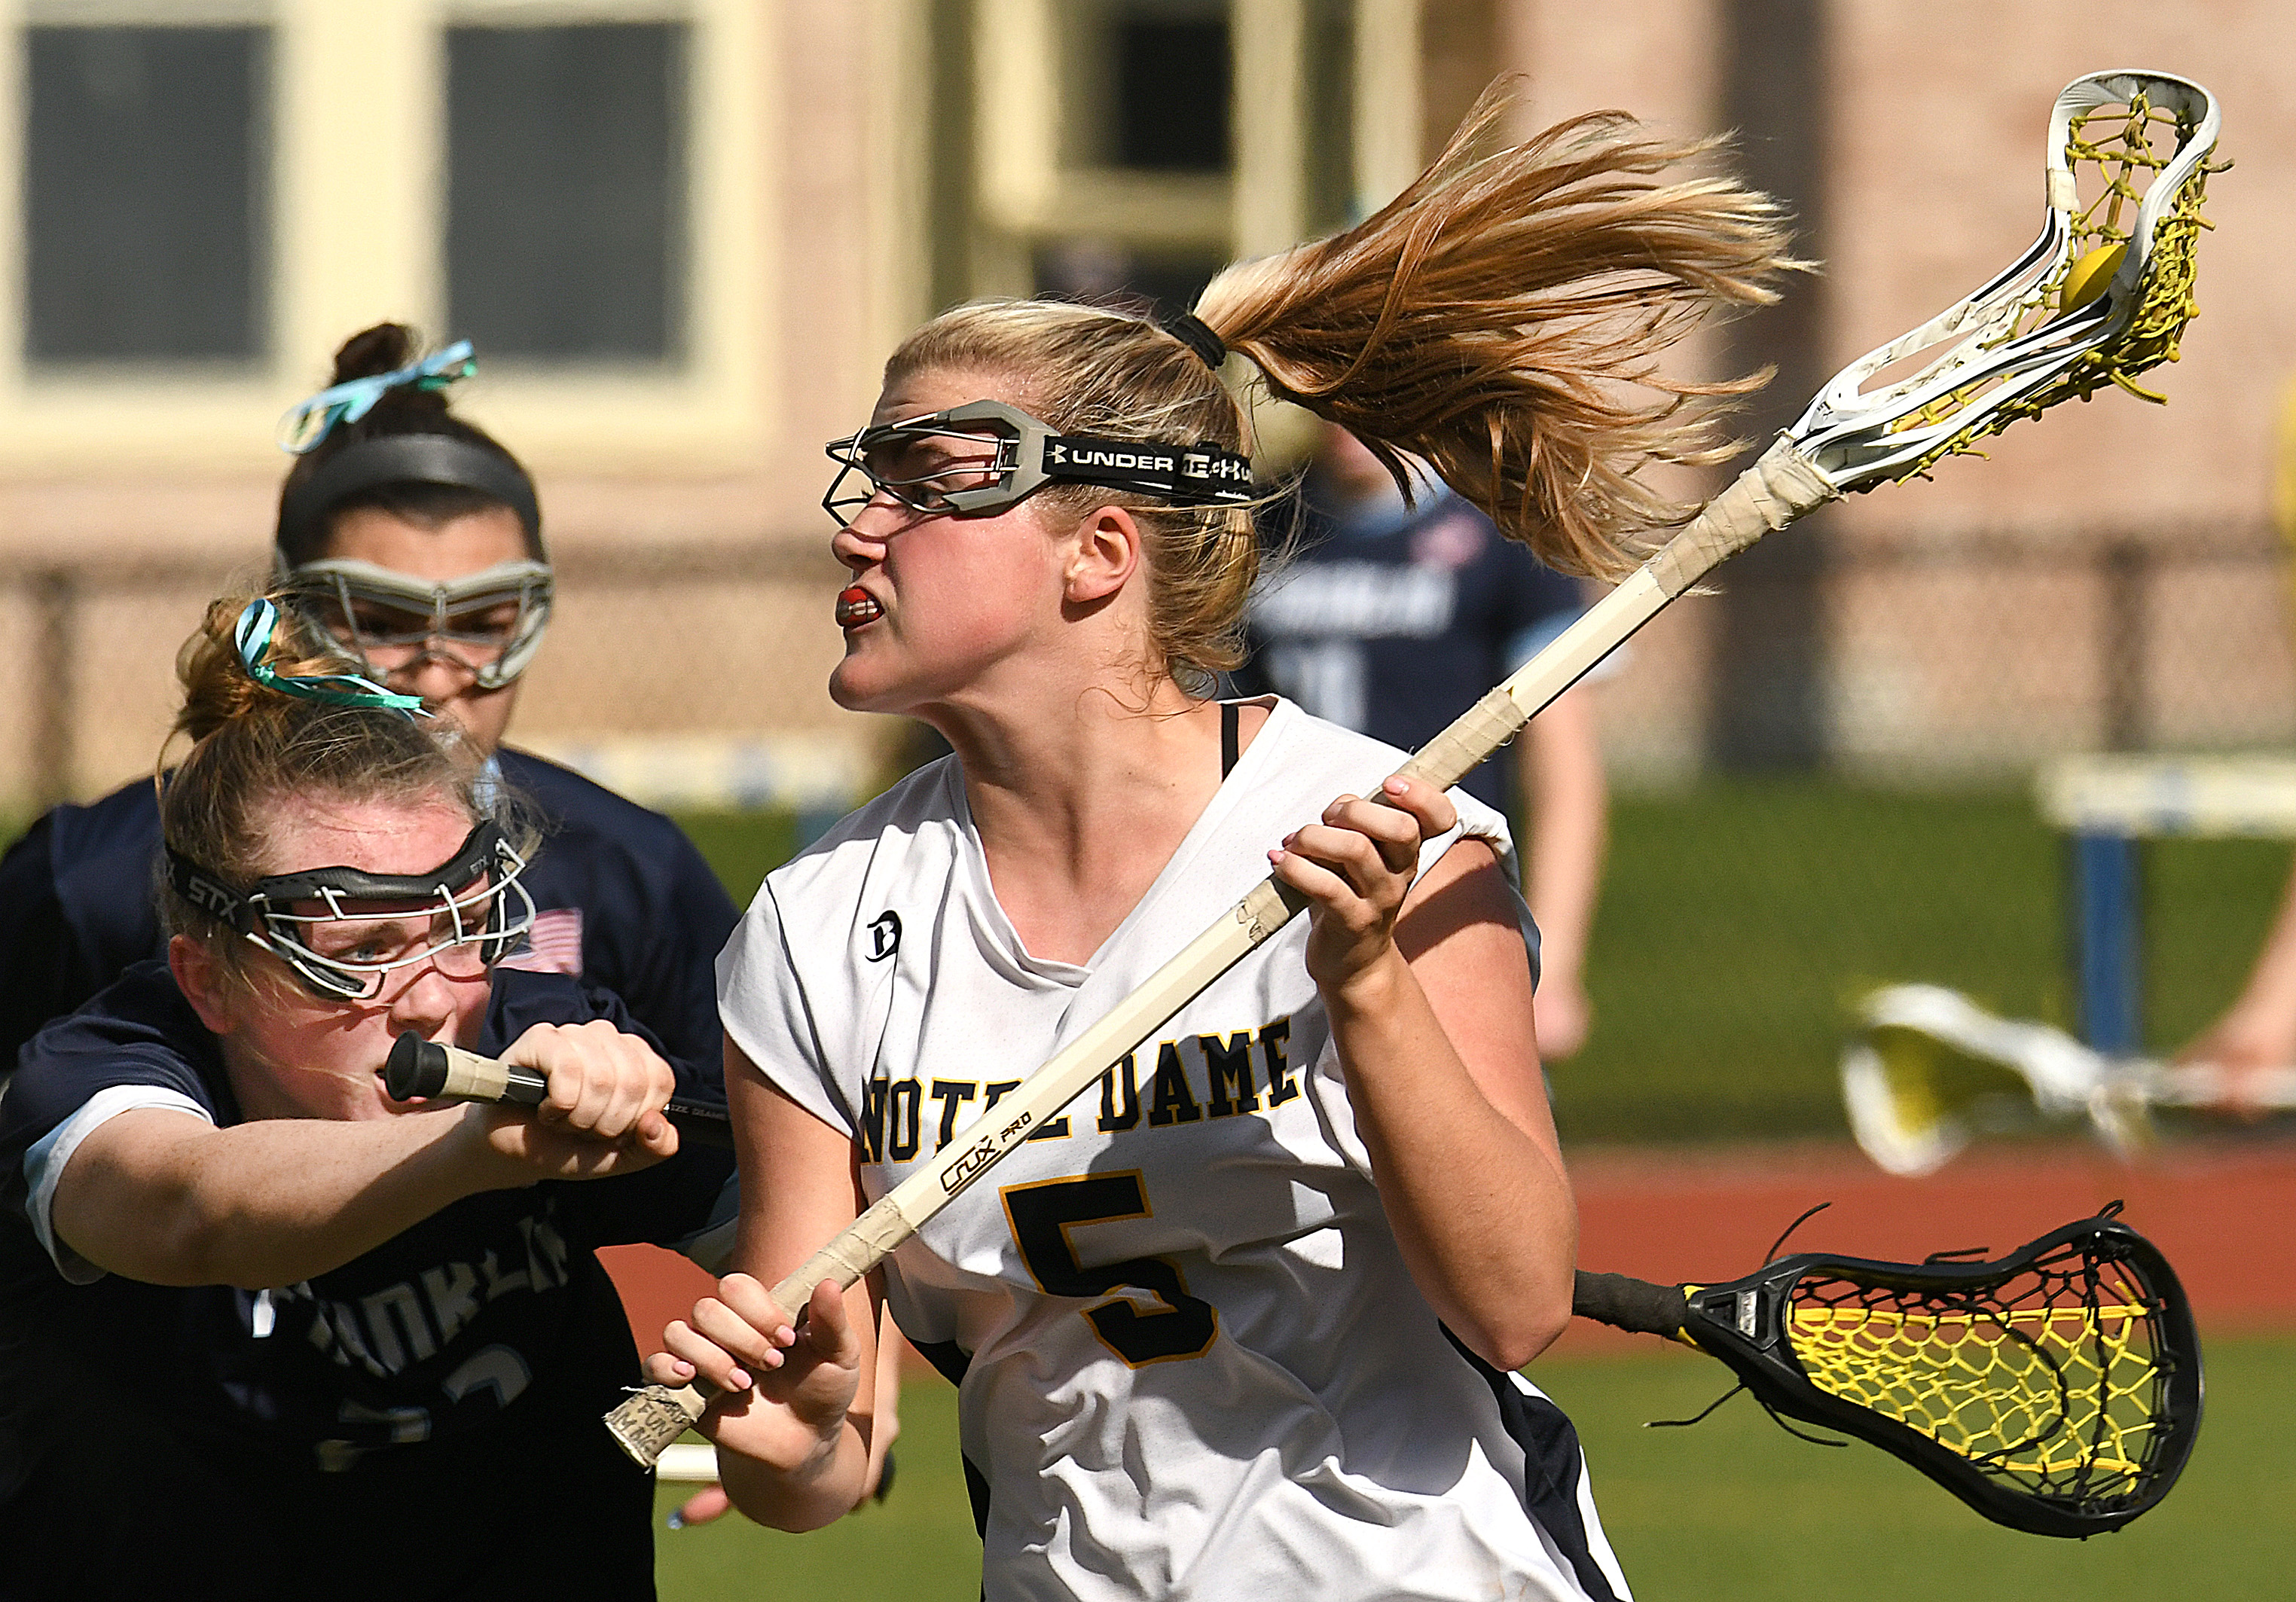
1042, 1215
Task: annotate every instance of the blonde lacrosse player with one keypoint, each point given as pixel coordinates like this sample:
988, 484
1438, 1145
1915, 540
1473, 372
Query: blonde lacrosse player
1245, 1323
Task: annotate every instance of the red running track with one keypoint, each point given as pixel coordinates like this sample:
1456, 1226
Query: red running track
2225, 1213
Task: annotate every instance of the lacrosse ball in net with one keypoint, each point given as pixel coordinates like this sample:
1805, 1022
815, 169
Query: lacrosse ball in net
2091, 274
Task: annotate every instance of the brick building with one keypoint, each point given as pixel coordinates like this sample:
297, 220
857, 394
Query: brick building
683, 232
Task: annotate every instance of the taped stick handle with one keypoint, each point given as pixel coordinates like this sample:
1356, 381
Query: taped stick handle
1767, 496
1624, 1303
430, 1071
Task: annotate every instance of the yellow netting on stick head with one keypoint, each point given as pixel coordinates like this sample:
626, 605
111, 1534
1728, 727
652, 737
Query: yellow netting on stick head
2052, 1381
2114, 154
2100, 296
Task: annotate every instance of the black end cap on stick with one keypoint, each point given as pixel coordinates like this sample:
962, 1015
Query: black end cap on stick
414, 1068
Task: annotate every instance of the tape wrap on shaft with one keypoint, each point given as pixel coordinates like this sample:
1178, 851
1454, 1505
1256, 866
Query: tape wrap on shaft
1483, 728
1778, 488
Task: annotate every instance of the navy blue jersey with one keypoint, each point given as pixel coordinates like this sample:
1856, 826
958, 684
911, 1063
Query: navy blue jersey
409, 1421
1395, 628
624, 900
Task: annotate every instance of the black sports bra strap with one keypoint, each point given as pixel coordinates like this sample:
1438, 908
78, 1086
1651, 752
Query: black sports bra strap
1231, 719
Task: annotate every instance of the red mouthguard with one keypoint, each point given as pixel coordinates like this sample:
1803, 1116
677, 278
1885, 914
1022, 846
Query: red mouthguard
855, 606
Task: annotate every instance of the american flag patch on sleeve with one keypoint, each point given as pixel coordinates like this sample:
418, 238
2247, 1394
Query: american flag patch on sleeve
554, 945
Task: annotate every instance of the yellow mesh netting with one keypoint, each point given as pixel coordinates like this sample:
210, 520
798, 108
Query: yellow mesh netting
2114, 153
2051, 1381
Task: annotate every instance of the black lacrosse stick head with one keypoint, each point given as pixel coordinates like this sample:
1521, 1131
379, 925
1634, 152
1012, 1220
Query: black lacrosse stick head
2056, 1390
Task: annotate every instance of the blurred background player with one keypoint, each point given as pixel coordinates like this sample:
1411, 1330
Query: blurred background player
1391, 619
414, 540
262, 1330
2258, 1032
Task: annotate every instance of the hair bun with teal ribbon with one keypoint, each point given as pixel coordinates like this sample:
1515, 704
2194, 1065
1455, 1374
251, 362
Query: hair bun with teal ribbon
310, 421
252, 635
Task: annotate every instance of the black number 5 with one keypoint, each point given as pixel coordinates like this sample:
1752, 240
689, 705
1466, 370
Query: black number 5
1041, 1215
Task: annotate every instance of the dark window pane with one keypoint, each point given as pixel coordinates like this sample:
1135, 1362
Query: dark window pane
145, 193
565, 225
1099, 273
1171, 82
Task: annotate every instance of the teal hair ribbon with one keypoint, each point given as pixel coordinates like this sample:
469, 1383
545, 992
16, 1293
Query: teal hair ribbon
253, 637
309, 422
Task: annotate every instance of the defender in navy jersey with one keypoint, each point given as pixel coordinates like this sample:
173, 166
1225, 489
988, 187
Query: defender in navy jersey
263, 1332
415, 540
395, 1417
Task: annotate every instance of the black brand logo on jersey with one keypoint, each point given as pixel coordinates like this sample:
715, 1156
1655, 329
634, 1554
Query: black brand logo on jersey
884, 936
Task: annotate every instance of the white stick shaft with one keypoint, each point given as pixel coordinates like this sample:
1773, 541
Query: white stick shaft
1767, 496
2205, 1084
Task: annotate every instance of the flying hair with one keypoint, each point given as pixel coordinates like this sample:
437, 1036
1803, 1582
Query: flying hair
1502, 318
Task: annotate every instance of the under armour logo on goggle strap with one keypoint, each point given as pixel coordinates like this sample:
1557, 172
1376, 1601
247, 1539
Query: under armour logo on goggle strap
977, 459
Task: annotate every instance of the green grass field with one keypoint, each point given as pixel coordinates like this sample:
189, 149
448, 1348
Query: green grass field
1740, 920
1735, 1510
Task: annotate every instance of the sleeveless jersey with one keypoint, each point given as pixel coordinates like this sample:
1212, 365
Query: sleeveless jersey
1191, 1361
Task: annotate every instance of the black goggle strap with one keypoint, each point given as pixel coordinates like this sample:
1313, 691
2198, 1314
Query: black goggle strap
203, 890
1199, 475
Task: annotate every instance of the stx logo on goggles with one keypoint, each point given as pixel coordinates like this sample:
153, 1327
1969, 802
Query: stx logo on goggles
207, 896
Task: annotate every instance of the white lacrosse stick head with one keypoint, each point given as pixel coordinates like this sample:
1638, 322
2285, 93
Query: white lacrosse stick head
1929, 1070
2103, 295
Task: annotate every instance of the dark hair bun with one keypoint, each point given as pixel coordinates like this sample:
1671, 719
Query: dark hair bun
385, 348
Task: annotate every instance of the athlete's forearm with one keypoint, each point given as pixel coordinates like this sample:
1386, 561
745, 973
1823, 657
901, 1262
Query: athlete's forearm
1482, 1210
160, 1197
819, 1492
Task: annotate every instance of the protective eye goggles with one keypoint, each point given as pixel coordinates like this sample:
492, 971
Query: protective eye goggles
982, 457
490, 621
343, 930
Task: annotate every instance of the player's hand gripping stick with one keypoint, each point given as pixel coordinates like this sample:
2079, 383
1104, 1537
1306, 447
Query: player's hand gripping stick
425, 1069
2084, 307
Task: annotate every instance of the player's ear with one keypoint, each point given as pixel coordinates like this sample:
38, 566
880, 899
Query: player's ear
1105, 552
202, 979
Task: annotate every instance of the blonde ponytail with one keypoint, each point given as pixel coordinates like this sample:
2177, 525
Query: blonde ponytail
1503, 317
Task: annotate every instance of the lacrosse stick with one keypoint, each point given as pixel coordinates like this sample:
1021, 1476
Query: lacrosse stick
2101, 296
2056, 1390
1930, 1071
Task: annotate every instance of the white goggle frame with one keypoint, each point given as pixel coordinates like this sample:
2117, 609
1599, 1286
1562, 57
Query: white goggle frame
340, 584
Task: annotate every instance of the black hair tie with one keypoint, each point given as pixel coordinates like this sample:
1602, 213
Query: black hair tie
1194, 332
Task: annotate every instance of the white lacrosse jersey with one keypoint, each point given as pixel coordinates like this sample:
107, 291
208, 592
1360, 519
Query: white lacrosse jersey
1191, 1361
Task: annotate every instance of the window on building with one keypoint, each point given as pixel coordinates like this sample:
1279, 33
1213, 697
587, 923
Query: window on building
146, 182
1169, 84
566, 192
1102, 274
